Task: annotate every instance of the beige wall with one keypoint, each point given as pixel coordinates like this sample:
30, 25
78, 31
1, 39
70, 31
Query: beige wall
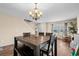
48, 27
11, 26
45, 27
42, 27
78, 24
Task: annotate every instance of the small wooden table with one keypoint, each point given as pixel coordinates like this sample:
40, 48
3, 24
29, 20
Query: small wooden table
32, 41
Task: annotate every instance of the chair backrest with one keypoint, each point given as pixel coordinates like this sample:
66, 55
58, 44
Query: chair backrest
48, 34
53, 38
51, 41
26, 34
41, 33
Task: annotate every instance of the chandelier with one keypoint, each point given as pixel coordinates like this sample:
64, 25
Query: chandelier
35, 13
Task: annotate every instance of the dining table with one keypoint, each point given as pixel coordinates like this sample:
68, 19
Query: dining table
33, 42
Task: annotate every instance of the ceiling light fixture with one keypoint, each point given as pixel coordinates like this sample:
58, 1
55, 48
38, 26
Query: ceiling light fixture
35, 13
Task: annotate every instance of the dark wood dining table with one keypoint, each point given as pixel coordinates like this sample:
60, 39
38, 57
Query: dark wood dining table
33, 42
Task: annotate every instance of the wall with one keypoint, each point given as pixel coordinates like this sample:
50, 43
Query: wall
42, 27
45, 27
48, 27
78, 25
11, 26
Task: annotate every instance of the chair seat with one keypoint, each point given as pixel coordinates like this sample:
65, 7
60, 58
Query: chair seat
45, 48
25, 50
42, 45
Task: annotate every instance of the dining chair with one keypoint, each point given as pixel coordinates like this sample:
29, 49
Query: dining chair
48, 47
26, 34
41, 33
48, 34
24, 49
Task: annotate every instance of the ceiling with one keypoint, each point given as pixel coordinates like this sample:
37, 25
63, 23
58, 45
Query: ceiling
51, 11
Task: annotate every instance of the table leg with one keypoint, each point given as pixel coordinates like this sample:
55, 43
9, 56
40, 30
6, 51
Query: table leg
15, 46
55, 47
37, 51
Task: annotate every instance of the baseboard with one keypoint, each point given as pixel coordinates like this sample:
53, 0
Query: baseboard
3, 45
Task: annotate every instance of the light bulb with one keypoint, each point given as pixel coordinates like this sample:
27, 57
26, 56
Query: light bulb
30, 13
40, 13
36, 11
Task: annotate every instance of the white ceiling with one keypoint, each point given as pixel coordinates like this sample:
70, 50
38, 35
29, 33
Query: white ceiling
51, 11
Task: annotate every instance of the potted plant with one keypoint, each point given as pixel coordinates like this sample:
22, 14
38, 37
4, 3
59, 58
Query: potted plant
72, 28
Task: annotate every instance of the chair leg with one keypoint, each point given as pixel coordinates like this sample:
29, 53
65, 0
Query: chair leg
48, 54
52, 53
52, 49
42, 53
